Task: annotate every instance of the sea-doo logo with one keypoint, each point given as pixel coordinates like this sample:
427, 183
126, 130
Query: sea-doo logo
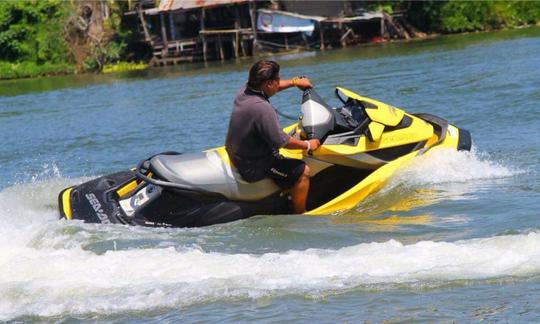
94, 202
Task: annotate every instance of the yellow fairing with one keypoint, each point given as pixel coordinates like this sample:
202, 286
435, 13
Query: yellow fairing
356, 194
376, 130
378, 178
384, 114
66, 205
418, 131
293, 154
451, 139
126, 189
222, 152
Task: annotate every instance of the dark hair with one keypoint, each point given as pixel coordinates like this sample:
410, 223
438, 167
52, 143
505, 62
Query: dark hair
262, 71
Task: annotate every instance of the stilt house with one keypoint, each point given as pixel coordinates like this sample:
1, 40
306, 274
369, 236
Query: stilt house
194, 30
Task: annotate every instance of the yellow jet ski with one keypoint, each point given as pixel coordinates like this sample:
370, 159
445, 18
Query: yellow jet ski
363, 142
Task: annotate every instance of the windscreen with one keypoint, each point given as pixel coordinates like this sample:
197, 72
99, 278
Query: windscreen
317, 116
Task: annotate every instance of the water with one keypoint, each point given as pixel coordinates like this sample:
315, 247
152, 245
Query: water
455, 236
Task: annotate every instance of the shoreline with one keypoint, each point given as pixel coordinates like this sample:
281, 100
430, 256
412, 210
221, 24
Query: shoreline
124, 66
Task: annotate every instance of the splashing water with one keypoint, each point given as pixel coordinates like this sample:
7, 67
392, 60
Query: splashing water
446, 165
47, 270
50, 282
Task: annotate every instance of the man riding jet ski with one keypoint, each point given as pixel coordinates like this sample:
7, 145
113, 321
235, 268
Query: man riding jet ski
255, 136
363, 142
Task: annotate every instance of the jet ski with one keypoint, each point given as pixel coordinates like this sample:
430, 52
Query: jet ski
363, 142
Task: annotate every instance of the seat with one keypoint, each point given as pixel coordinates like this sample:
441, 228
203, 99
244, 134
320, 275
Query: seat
207, 171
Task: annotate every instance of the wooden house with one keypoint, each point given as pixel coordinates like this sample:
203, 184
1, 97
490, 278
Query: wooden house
195, 30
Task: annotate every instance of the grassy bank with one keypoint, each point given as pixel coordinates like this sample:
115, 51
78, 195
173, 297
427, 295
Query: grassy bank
124, 66
31, 69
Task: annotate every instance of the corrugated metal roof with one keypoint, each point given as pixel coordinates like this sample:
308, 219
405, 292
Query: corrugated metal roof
364, 16
291, 14
171, 5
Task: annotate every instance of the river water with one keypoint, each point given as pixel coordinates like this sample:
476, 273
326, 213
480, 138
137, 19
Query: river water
453, 237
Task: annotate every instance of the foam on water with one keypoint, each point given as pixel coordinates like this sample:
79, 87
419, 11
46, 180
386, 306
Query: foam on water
446, 165
41, 276
440, 175
51, 282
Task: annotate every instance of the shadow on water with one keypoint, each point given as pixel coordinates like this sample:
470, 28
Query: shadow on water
369, 51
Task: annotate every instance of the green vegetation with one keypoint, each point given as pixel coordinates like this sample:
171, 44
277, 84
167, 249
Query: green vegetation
30, 69
467, 16
482, 15
31, 39
47, 37
124, 66
112, 45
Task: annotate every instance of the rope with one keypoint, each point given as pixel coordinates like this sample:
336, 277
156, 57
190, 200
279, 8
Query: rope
284, 115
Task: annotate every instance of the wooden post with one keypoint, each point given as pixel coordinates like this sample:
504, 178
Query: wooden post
253, 15
203, 36
321, 34
220, 44
242, 45
171, 26
382, 28
236, 43
165, 49
145, 28
236, 36
237, 19
304, 37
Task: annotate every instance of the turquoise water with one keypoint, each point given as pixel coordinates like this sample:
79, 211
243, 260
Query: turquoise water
455, 236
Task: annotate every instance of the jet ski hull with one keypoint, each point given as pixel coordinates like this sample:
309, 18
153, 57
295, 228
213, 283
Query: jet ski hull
97, 201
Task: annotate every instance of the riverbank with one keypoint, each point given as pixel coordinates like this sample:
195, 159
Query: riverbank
17, 87
26, 70
53, 38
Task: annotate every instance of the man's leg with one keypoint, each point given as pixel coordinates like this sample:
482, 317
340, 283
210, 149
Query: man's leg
292, 174
299, 192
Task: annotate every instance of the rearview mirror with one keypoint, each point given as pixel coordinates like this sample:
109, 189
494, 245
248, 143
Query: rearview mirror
341, 96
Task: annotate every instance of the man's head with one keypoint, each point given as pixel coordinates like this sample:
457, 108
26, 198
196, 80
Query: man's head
264, 76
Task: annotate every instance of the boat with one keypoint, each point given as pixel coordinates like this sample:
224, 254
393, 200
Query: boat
363, 143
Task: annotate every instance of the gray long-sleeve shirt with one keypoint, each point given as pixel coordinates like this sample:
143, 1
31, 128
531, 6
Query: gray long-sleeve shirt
254, 134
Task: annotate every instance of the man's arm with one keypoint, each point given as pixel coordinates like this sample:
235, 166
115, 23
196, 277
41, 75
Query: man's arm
301, 83
311, 144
